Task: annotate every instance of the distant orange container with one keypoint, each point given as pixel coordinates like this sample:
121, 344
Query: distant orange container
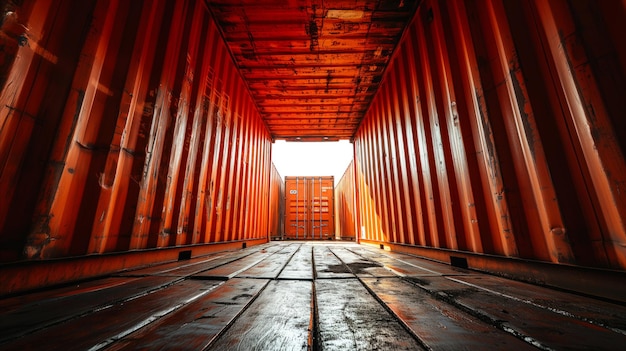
309, 208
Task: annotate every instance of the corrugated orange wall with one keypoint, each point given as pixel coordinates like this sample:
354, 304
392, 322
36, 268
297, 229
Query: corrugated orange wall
277, 204
124, 125
345, 210
499, 128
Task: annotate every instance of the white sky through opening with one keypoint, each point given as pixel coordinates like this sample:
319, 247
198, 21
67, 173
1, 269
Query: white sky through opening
312, 159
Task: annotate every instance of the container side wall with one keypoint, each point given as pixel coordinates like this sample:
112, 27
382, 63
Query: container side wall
497, 130
277, 205
345, 205
126, 126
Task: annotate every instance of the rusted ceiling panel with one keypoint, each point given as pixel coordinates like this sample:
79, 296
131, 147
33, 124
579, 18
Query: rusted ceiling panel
312, 67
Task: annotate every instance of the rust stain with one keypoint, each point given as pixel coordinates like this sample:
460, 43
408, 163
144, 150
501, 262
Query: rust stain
314, 61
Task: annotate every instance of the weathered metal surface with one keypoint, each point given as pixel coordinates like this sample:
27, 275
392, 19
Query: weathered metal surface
18, 277
495, 131
311, 59
129, 129
309, 207
591, 111
37, 94
345, 206
277, 205
360, 297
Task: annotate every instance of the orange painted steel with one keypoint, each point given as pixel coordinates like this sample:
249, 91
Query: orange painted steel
37, 99
605, 283
591, 100
496, 130
309, 207
277, 205
312, 66
477, 130
125, 126
346, 222
20, 277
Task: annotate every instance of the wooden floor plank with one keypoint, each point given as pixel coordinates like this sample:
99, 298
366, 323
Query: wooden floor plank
398, 267
442, 307
97, 330
171, 267
195, 265
349, 318
198, 267
233, 267
196, 325
21, 301
603, 313
544, 328
412, 265
69, 303
271, 266
279, 319
327, 265
440, 326
300, 266
361, 266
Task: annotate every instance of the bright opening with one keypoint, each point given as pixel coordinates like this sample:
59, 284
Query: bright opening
312, 159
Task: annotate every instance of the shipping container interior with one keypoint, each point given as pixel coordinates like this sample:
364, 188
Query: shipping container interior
487, 134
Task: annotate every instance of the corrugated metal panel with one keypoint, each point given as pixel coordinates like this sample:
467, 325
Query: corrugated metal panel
277, 204
309, 208
497, 130
125, 126
345, 206
36, 100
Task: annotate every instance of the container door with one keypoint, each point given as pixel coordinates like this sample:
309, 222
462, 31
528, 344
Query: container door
309, 210
296, 215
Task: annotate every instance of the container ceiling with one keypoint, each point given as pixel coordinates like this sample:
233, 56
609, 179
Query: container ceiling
312, 67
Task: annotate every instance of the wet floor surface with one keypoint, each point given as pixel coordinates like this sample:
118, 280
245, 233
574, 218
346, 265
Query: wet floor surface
308, 296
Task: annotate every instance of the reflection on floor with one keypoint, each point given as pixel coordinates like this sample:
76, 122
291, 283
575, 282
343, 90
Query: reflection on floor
308, 295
